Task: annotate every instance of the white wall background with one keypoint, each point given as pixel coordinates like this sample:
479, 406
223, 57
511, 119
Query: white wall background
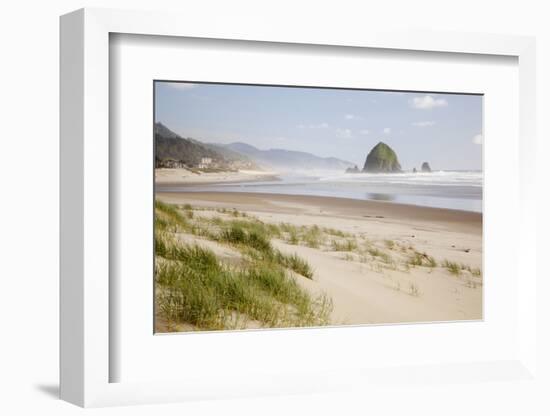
29, 205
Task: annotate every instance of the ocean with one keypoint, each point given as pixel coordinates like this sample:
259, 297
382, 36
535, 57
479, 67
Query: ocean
462, 190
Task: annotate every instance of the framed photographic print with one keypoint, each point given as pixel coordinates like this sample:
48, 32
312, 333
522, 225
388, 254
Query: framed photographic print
251, 236
291, 210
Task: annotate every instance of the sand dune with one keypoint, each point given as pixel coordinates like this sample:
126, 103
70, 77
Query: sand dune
373, 289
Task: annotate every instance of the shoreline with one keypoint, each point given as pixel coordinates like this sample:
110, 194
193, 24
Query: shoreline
239, 182
335, 206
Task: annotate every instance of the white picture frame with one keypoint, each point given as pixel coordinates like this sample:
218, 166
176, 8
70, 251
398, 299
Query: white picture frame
86, 356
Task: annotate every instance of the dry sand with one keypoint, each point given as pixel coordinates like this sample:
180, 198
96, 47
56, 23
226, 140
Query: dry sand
372, 292
174, 177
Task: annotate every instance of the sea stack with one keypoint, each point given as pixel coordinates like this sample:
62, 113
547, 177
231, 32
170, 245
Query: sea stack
382, 159
354, 169
426, 167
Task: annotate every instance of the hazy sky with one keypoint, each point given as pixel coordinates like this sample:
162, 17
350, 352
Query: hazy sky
442, 129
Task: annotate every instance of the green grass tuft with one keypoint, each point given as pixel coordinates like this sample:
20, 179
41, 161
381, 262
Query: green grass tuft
346, 245
247, 234
194, 287
293, 238
171, 216
312, 236
421, 259
456, 268
197, 289
336, 233
383, 256
452, 267
389, 244
295, 263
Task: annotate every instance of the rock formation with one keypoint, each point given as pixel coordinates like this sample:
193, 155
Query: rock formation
354, 169
426, 167
382, 159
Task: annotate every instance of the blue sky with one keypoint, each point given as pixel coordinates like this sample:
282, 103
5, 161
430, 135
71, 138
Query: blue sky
442, 129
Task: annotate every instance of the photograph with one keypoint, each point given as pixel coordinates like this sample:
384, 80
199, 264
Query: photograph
302, 206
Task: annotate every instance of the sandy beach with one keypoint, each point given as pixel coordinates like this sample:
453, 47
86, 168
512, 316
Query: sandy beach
175, 177
408, 263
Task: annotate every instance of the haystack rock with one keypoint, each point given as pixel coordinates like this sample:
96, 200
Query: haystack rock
382, 159
426, 167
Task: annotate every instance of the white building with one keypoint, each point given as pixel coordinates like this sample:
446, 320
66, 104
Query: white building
205, 162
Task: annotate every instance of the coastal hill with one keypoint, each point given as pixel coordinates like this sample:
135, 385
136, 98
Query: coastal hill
382, 159
169, 146
280, 159
172, 150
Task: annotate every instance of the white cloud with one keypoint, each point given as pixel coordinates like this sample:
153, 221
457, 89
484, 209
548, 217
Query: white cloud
387, 130
313, 126
183, 86
427, 102
353, 117
477, 139
364, 132
423, 123
343, 133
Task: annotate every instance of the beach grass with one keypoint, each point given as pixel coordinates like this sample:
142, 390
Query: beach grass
246, 234
196, 288
312, 236
377, 253
421, 259
295, 263
346, 245
457, 268
452, 267
390, 244
293, 237
309, 236
167, 215
476, 272
254, 237
336, 233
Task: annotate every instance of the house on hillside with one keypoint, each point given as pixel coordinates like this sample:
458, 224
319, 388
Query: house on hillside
170, 164
206, 162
